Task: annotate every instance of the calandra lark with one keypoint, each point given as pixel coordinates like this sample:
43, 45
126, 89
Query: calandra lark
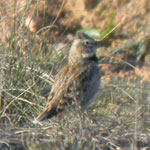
77, 82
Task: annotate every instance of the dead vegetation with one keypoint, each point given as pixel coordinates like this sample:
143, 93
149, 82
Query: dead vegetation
35, 38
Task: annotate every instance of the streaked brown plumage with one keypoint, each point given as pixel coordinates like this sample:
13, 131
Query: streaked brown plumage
78, 81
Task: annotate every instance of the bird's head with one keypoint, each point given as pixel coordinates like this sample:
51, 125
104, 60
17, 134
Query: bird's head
83, 48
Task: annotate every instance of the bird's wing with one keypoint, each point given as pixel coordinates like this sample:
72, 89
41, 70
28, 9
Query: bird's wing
66, 85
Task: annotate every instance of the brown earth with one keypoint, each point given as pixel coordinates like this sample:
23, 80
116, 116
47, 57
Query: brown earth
56, 21
133, 16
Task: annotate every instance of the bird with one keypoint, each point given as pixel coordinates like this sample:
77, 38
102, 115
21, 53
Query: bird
79, 81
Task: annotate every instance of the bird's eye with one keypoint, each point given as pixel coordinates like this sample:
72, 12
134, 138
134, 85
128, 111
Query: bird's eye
86, 42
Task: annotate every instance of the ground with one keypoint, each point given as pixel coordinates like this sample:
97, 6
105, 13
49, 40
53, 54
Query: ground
35, 37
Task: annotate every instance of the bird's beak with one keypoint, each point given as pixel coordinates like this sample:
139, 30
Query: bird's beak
102, 43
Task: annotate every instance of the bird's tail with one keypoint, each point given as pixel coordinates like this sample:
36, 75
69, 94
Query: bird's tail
47, 114
43, 116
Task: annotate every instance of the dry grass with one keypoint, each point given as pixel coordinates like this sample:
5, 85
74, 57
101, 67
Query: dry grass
118, 119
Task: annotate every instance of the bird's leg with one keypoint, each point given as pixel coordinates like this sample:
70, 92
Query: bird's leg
77, 103
62, 117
